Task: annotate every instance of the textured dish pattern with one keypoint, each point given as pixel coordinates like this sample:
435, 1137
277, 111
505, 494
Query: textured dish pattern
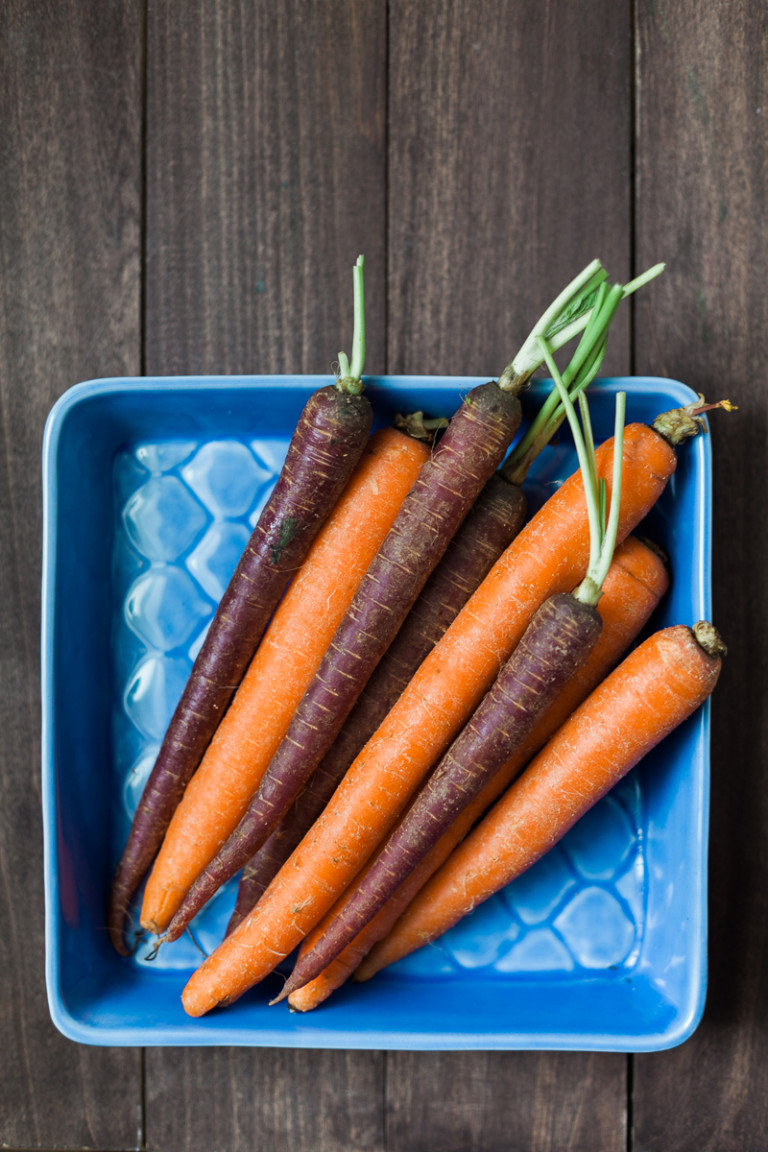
183, 513
580, 908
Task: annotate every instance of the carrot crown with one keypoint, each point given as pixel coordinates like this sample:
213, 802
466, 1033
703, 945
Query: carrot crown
603, 523
566, 316
349, 378
580, 372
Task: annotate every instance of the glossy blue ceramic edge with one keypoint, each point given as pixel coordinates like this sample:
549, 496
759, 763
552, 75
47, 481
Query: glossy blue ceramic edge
218, 1031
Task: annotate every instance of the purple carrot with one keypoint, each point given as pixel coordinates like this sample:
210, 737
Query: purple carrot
467, 456
558, 640
329, 439
494, 521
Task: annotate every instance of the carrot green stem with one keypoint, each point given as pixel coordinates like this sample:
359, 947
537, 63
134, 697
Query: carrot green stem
577, 376
612, 527
566, 316
602, 534
594, 480
643, 278
581, 370
349, 378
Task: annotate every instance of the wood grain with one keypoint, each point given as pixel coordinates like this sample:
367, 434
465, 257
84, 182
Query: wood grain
497, 1101
509, 165
702, 189
265, 179
237, 1100
70, 174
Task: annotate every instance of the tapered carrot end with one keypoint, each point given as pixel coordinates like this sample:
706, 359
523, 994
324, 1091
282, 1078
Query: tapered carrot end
292, 984
283, 995
192, 1008
123, 933
160, 904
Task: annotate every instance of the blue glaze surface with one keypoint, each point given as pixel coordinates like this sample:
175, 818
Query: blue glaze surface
151, 488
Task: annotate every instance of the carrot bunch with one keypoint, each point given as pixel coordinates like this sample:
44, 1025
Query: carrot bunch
382, 780
555, 644
329, 440
425, 651
466, 458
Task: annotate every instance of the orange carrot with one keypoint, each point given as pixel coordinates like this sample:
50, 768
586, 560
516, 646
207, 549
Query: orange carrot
283, 666
550, 555
636, 581
655, 689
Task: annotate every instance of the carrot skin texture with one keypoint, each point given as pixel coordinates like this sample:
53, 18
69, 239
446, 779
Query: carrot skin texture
556, 643
283, 665
655, 689
493, 522
636, 581
549, 555
468, 454
329, 439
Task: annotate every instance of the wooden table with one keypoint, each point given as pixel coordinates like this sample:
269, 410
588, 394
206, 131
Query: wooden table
183, 189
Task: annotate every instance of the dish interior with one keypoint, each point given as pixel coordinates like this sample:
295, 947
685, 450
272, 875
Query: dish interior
152, 489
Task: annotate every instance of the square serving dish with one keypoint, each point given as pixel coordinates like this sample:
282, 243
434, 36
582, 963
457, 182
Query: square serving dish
151, 486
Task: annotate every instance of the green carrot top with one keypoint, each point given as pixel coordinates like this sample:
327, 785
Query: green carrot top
581, 371
349, 377
566, 316
603, 523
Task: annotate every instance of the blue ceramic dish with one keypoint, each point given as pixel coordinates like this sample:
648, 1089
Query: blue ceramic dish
151, 487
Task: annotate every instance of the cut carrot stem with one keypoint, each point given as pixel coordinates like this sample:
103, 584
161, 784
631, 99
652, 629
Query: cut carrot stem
283, 666
549, 555
655, 689
636, 581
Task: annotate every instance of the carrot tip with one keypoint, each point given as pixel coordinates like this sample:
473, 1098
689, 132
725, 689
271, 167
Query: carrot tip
126, 940
283, 995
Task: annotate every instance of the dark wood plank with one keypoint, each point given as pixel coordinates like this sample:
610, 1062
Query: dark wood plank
509, 165
265, 178
509, 161
70, 179
496, 1101
702, 190
235, 1098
